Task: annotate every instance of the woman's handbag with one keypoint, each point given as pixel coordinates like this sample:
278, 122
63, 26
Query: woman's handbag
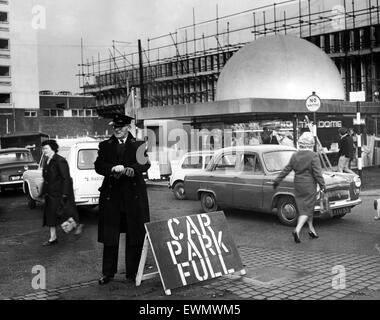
324, 202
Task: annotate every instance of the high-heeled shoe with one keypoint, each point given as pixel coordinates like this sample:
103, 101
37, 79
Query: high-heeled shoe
313, 235
296, 237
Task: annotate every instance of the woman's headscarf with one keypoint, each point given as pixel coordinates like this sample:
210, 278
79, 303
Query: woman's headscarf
306, 141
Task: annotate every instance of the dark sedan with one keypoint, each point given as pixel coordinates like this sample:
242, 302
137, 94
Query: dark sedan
13, 163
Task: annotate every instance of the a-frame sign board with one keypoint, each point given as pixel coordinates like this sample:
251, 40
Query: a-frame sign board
189, 250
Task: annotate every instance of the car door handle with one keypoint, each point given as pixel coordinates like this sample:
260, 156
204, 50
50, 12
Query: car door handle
269, 183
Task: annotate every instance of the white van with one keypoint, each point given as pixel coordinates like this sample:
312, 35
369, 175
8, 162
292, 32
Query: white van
86, 182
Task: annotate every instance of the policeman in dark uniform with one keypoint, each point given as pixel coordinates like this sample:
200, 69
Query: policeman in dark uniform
123, 202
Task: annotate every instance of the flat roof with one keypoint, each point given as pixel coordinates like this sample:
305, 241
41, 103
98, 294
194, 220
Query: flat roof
250, 107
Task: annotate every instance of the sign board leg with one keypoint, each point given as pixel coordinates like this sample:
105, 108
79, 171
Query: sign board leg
144, 255
168, 292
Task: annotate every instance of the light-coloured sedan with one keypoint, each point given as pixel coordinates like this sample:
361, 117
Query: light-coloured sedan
242, 178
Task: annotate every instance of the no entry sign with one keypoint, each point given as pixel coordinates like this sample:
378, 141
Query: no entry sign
192, 249
313, 103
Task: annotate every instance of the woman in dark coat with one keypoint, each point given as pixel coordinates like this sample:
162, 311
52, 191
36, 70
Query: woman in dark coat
58, 192
308, 173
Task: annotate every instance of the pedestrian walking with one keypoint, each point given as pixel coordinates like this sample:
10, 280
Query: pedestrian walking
308, 174
57, 190
268, 136
123, 202
346, 151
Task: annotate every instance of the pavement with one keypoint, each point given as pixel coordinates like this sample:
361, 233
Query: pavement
276, 267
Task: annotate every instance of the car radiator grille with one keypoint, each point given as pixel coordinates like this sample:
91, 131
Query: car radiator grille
338, 195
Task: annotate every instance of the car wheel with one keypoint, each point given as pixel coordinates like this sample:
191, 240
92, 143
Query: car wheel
208, 202
179, 190
287, 211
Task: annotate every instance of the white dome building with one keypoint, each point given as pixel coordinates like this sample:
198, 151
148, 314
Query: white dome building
280, 67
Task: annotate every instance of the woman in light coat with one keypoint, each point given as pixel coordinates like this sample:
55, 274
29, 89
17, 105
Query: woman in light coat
308, 173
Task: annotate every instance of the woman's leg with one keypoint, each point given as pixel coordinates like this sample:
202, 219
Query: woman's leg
311, 226
301, 221
53, 233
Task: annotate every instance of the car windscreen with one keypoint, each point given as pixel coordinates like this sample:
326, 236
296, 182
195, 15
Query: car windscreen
192, 162
277, 160
17, 156
86, 159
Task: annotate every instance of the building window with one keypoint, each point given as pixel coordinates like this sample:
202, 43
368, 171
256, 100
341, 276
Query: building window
4, 44
30, 114
5, 98
5, 71
3, 16
74, 113
53, 113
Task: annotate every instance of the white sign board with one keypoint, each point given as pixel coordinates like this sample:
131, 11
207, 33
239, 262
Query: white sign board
356, 122
313, 103
357, 96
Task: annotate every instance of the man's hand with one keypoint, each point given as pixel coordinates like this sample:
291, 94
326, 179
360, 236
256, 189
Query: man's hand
118, 169
129, 172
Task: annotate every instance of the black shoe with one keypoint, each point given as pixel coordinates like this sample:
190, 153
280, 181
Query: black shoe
105, 279
296, 237
313, 235
50, 243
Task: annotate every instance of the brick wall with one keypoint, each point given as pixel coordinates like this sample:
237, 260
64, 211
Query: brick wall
52, 126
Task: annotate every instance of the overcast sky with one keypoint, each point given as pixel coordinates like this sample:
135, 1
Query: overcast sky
101, 21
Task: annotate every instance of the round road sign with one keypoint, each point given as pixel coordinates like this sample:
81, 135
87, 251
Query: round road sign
313, 103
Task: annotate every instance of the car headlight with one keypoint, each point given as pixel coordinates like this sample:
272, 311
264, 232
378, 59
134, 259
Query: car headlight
358, 182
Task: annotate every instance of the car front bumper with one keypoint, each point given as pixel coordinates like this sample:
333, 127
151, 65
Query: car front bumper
337, 205
11, 183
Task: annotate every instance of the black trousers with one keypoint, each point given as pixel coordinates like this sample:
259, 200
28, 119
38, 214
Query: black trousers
111, 255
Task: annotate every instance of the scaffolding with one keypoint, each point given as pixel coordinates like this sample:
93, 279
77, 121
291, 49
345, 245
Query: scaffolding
183, 66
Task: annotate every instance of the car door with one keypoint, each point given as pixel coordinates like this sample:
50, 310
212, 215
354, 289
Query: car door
86, 181
221, 178
248, 182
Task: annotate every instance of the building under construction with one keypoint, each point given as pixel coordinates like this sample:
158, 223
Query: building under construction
183, 67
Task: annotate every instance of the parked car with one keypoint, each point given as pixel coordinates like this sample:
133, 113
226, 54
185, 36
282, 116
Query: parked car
13, 163
86, 182
191, 162
242, 178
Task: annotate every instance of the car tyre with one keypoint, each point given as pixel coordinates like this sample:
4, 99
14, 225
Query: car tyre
208, 202
287, 211
179, 190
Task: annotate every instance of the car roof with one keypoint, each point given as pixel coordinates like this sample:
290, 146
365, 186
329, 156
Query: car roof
14, 150
75, 142
261, 148
199, 153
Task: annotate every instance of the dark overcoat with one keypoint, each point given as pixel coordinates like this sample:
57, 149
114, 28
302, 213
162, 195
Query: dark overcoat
123, 202
308, 173
57, 182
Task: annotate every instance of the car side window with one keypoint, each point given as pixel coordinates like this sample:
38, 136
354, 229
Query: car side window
192, 162
251, 164
226, 163
207, 160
